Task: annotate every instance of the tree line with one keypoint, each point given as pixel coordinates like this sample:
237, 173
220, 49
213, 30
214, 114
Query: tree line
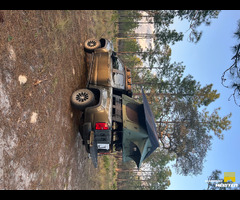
180, 103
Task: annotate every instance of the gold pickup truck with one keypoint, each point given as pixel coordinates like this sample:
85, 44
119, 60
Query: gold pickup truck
111, 116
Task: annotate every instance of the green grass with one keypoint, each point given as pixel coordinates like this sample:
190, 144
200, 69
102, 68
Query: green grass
107, 172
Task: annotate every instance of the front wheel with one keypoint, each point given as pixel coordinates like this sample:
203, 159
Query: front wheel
82, 98
91, 44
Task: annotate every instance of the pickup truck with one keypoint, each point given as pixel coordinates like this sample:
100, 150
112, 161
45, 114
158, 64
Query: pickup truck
112, 119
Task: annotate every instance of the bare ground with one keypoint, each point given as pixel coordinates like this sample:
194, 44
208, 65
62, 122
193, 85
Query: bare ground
41, 63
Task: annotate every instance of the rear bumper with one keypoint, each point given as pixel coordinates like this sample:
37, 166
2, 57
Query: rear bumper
98, 142
102, 138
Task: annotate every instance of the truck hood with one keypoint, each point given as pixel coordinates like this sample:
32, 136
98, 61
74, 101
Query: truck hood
139, 130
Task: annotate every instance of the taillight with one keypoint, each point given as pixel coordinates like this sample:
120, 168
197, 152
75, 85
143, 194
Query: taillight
101, 126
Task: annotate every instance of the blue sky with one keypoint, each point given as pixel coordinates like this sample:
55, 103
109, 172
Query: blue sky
206, 61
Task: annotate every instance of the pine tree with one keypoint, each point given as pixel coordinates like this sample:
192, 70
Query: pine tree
231, 76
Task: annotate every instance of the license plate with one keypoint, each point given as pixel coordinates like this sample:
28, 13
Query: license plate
103, 146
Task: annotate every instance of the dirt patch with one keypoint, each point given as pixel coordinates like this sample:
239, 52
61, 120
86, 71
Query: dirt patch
41, 63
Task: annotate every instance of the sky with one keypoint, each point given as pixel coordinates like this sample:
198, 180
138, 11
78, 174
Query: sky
206, 61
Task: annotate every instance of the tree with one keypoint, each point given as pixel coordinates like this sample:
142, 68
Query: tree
187, 138
196, 18
160, 173
205, 96
187, 134
162, 19
215, 123
214, 176
162, 35
231, 76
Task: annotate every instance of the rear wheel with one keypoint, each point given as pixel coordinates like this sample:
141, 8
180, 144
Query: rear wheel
91, 44
82, 98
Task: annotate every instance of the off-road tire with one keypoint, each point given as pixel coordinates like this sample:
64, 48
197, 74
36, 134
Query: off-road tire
82, 98
91, 44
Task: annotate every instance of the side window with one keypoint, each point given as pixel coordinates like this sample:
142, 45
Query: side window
118, 72
116, 63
